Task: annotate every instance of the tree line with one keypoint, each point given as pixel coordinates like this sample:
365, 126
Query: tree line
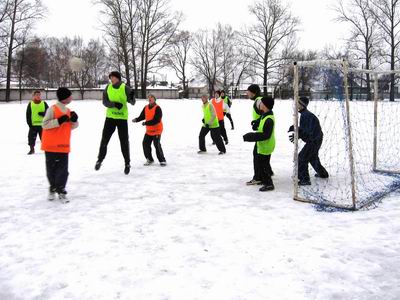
144, 37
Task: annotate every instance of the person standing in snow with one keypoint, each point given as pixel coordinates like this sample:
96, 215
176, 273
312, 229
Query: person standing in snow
254, 93
56, 138
220, 106
265, 142
210, 124
227, 110
35, 112
311, 133
152, 114
116, 97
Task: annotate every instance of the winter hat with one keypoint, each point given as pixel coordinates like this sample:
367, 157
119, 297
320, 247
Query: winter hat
304, 101
268, 101
115, 74
63, 93
254, 88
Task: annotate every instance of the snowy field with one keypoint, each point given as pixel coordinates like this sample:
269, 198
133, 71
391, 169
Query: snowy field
192, 230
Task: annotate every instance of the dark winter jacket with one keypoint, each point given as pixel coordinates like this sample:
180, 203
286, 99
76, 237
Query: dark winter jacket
157, 117
267, 131
309, 129
29, 113
130, 94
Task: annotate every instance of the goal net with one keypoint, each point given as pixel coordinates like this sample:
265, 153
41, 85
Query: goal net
361, 135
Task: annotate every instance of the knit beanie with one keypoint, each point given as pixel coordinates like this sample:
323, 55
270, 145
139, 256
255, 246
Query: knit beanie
63, 93
268, 101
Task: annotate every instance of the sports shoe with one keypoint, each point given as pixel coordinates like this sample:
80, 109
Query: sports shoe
266, 188
127, 169
148, 163
52, 194
98, 165
163, 164
62, 196
324, 176
253, 182
304, 182
201, 152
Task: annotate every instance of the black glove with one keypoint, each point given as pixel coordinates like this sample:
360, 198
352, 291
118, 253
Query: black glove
42, 113
246, 137
291, 138
202, 121
74, 116
207, 126
144, 124
118, 105
134, 120
63, 119
291, 128
255, 124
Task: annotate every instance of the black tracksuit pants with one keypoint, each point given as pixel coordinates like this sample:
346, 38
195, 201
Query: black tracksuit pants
109, 127
156, 140
229, 116
57, 170
216, 137
309, 154
222, 131
259, 167
34, 131
264, 167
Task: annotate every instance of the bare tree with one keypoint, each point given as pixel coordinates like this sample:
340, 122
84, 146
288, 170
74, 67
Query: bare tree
157, 27
363, 37
274, 23
21, 15
207, 57
387, 16
117, 30
178, 58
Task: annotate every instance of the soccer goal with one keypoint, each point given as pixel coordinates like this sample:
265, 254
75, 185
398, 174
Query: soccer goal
361, 134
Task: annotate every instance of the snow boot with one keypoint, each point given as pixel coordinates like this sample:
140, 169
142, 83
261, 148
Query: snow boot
163, 164
201, 152
221, 153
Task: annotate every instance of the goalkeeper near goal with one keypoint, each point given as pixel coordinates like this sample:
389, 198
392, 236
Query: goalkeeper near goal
311, 133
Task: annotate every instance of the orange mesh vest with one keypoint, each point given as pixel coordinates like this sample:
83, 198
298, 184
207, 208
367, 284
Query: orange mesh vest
149, 114
219, 108
57, 139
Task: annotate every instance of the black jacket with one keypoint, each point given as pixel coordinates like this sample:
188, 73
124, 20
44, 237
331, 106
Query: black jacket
130, 94
310, 128
29, 113
157, 117
265, 134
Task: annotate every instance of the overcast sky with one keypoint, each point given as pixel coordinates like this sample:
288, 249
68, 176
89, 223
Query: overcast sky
80, 17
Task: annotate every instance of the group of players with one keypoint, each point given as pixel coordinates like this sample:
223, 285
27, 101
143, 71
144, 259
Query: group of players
54, 126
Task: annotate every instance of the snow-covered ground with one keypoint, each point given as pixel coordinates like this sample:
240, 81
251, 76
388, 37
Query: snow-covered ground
192, 230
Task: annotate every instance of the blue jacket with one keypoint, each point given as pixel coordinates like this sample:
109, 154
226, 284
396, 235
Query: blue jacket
309, 129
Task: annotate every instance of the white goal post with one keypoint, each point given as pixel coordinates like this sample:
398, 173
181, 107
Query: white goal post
353, 159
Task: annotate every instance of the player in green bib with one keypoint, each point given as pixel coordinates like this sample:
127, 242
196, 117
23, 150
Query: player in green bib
116, 97
264, 138
35, 113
